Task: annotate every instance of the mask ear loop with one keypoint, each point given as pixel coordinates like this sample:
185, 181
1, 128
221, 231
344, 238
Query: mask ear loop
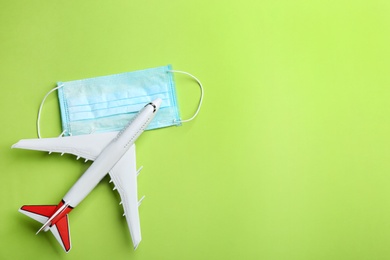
40, 110
201, 93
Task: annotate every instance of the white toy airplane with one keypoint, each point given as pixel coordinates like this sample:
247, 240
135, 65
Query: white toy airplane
112, 153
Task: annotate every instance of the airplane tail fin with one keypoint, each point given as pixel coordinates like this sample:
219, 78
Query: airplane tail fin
53, 218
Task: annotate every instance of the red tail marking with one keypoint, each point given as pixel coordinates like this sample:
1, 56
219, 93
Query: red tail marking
43, 210
59, 220
63, 229
48, 211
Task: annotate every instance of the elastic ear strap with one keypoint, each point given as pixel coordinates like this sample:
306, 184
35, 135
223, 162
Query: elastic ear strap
40, 109
201, 93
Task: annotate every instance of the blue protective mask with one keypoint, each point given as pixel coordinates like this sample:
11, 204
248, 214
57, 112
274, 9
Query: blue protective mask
107, 103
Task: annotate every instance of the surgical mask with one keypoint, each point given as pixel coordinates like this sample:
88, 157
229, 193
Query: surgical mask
108, 103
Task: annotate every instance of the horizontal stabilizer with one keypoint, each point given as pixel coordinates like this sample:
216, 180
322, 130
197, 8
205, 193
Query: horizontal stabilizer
62, 233
42, 214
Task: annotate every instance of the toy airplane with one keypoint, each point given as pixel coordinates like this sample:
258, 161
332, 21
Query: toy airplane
112, 153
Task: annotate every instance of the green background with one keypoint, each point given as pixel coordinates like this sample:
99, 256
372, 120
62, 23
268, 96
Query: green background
288, 158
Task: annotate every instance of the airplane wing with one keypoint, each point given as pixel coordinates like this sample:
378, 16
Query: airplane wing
85, 146
124, 176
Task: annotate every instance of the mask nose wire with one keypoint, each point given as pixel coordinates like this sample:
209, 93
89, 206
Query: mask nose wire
201, 93
40, 109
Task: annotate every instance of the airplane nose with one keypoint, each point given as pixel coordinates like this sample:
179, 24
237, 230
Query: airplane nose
157, 103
